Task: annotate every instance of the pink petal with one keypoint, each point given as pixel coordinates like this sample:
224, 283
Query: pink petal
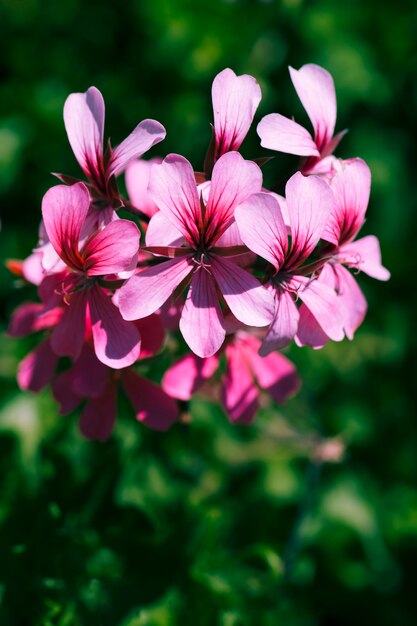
67, 338
162, 232
116, 342
309, 332
239, 393
32, 317
351, 187
201, 322
323, 304
137, 179
283, 135
309, 202
84, 123
365, 255
283, 326
352, 300
153, 334
235, 100
187, 375
315, 88
64, 394
97, 419
262, 227
274, 373
173, 189
89, 375
64, 210
32, 268
153, 407
113, 249
37, 368
147, 291
233, 180
251, 303
146, 134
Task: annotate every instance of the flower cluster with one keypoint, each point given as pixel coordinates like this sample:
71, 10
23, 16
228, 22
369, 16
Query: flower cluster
240, 270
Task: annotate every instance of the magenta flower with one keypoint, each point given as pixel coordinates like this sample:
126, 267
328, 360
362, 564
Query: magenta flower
235, 100
191, 231
315, 88
84, 123
351, 189
92, 382
245, 370
111, 250
261, 226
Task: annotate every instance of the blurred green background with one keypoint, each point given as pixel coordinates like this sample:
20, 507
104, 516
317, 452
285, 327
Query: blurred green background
211, 524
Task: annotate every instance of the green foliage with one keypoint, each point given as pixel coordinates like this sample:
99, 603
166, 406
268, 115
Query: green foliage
211, 524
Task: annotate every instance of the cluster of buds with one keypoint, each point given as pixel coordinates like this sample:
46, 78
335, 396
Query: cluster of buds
239, 270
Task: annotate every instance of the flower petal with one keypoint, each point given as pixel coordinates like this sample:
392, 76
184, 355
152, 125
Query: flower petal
37, 368
284, 135
97, 419
137, 180
315, 88
162, 232
274, 373
309, 203
84, 123
187, 375
323, 304
64, 210
147, 291
116, 341
262, 227
248, 300
201, 323
365, 255
283, 326
146, 134
239, 393
235, 100
173, 189
67, 338
113, 249
64, 394
153, 407
152, 332
233, 180
351, 187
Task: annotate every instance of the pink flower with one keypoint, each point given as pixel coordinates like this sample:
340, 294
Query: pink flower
261, 226
351, 188
91, 381
193, 233
235, 100
315, 88
84, 123
239, 392
111, 250
137, 181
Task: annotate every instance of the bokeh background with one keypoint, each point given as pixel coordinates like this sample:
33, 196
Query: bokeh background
211, 524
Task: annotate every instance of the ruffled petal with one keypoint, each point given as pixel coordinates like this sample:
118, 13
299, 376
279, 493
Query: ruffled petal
201, 323
146, 134
284, 135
